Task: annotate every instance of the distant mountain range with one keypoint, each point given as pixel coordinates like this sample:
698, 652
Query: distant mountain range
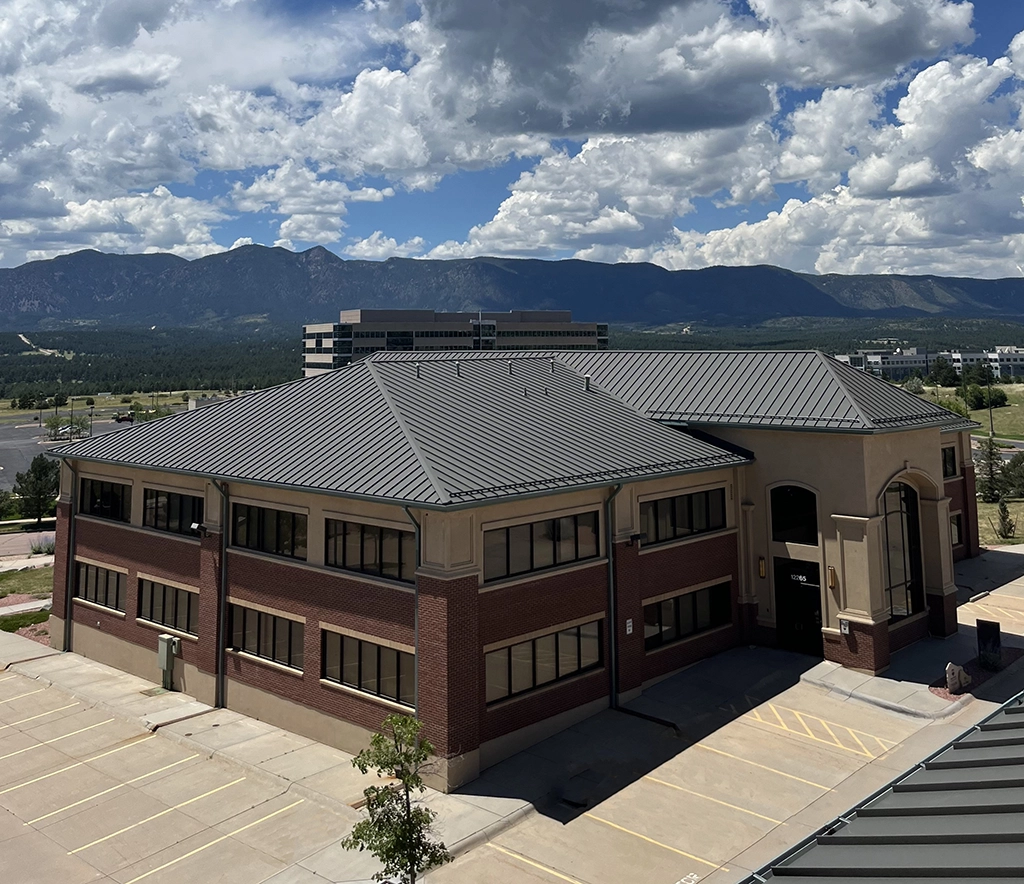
282, 287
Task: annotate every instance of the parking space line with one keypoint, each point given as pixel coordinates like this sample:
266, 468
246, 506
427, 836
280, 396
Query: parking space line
536, 865
8, 677
827, 726
781, 773
40, 715
697, 859
156, 816
19, 696
61, 770
56, 739
216, 841
715, 800
45, 816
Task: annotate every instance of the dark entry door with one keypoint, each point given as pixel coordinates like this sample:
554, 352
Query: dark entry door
798, 606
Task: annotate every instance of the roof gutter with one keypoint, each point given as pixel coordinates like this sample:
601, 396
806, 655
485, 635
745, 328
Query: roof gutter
69, 585
220, 679
613, 617
416, 615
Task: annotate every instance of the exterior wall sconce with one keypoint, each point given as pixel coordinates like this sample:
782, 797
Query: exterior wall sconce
832, 579
761, 567
637, 539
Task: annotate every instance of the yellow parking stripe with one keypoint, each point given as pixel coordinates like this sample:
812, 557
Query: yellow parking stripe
697, 859
155, 816
536, 865
19, 696
40, 715
830, 727
216, 841
762, 766
56, 739
714, 800
46, 816
61, 770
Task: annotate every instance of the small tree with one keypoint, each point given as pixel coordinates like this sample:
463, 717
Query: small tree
990, 462
184, 396
1007, 526
37, 487
1013, 475
6, 504
397, 830
914, 385
90, 401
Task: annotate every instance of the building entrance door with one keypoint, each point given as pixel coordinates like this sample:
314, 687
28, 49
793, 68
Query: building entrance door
798, 606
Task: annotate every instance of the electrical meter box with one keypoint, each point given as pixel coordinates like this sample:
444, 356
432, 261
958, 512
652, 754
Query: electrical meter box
167, 648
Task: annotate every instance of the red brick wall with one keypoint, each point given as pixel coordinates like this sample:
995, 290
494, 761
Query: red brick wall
907, 633
866, 647
954, 489
972, 542
659, 571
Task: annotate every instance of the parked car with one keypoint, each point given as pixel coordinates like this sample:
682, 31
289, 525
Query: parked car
128, 417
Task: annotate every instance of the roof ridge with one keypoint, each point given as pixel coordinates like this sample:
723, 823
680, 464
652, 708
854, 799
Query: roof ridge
829, 364
435, 483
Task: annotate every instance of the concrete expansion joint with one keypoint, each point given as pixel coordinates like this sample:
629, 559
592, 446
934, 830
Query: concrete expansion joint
488, 833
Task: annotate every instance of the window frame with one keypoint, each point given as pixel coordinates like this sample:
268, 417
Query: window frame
188, 513
507, 651
363, 647
557, 540
912, 549
333, 542
148, 588
946, 473
669, 509
657, 641
956, 529
776, 527
82, 589
256, 529
100, 503
253, 614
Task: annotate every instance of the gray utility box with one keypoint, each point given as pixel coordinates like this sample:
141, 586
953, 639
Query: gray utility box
167, 648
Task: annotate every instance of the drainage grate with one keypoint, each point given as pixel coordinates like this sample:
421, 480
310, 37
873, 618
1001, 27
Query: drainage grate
152, 692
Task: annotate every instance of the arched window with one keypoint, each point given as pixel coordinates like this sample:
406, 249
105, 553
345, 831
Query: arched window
794, 515
904, 572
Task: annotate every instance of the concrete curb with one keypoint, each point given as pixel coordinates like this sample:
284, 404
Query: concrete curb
482, 836
854, 694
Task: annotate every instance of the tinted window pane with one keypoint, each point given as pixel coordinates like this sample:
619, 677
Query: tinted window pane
332, 656
566, 539
794, 515
368, 675
193, 615
716, 509
699, 504
590, 644
522, 667
668, 620
703, 604
721, 604
252, 623
389, 673
546, 653
371, 549
544, 543
652, 627
568, 652
157, 610
686, 621
350, 662
299, 536
173, 512
586, 531
408, 556
649, 521
494, 554
683, 525
664, 529
497, 674
268, 535
266, 643
390, 546
353, 546
407, 678
181, 610
281, 638
519, 549
237, 628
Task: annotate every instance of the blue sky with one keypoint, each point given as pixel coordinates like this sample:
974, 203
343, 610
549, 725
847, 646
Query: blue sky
840, 136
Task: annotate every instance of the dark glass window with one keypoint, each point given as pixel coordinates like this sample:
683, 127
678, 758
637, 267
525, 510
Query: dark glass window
949, 462
688, 614
532, 664
266, 635
535, 546
277, 532
904, 569
673, 517
956, 529
169, 511
169, 606
101, 586
370, 549
794, 515
365, 666
107, 500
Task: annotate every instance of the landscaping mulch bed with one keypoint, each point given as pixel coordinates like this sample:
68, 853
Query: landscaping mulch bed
38, 632
978, 675
16, 598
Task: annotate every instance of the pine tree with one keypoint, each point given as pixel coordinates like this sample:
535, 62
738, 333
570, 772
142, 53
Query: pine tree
990, 464
38, 487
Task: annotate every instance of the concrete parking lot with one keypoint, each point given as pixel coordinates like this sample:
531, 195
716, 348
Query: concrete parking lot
85, 796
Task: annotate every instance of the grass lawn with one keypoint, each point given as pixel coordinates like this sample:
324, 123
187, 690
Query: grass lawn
37, 582
988, 516
14, 622
1008, 420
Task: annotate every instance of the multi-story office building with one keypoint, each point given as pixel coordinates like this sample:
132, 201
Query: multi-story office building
898, 365
359, 333
506, 543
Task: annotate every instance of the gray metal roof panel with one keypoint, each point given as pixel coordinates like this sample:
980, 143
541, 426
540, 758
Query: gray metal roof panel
947, 818
427, 433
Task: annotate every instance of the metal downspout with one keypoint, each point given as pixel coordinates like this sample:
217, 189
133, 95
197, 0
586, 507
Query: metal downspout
222, 598
613, 619
416, 617
69, 587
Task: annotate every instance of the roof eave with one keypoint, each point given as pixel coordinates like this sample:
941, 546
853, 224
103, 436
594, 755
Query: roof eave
851, 431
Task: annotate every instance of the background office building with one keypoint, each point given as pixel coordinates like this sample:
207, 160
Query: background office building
565, 529
358, 333
902, 363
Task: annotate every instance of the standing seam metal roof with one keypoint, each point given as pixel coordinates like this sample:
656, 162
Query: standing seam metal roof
427, 433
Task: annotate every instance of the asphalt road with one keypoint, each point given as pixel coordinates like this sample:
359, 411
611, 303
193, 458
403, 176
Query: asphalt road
20, 441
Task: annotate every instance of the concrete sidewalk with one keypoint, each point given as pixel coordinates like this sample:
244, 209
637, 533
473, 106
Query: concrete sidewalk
311, 770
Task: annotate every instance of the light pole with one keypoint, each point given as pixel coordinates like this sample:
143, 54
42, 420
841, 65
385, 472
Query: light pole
90, 420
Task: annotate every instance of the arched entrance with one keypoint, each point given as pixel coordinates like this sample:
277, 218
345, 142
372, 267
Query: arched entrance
904, 564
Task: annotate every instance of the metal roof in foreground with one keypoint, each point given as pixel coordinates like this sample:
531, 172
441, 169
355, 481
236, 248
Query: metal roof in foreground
770, 389
428, 432
958, 816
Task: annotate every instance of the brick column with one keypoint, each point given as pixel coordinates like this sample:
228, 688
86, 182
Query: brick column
209, 602
865, 648
61, 554
629, 606
448, 667
970, 512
